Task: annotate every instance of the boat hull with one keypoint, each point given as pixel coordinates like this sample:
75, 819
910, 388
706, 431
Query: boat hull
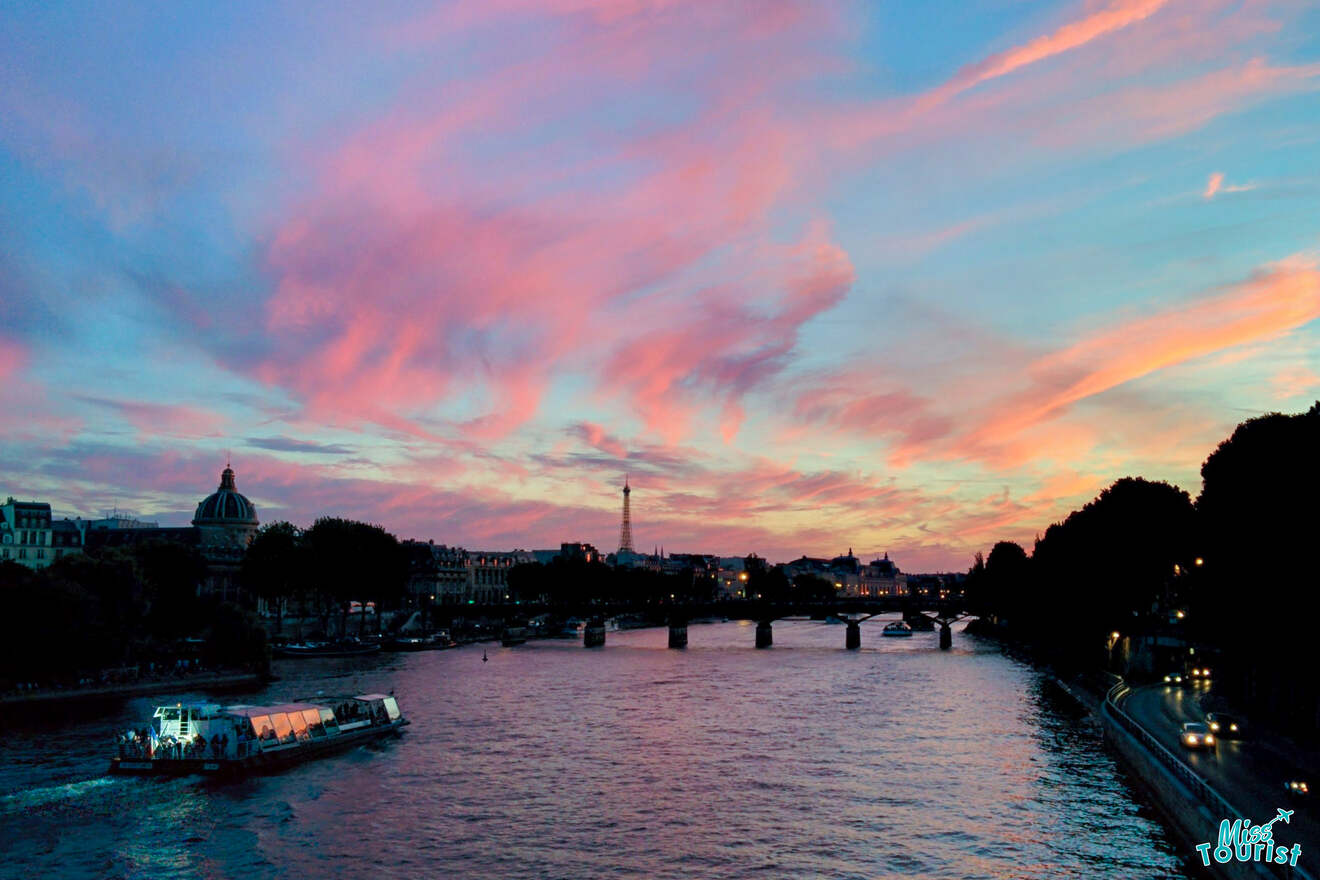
270, 761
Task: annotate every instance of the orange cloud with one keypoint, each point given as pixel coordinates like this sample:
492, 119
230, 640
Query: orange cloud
1212, 185
1265, 307
1074, 35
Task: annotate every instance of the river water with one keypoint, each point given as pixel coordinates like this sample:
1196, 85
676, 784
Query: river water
633, 761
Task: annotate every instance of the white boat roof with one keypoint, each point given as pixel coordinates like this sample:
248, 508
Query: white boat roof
372, 697
256, 711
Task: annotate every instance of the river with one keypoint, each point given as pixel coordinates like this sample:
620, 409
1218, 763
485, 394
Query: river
632, 761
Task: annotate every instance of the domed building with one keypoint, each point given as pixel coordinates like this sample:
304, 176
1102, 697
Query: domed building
226, 521
223, 526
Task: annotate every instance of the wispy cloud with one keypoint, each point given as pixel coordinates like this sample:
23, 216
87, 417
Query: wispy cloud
1215, 185
289, 444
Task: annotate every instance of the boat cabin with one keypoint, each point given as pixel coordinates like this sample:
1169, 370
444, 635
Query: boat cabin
365, 710
206, 730
267, 727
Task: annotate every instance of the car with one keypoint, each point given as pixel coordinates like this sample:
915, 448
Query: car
1226, 726
1173, 678
1297, 788
1196, 735
1199, 673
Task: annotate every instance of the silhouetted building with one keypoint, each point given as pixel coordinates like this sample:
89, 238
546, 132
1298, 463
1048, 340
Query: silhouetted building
454, 576
226, 523
30, 536
579, 551
881, 577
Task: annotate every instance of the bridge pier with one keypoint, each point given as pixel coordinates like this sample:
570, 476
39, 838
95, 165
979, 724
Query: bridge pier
593, 634
946, 636
765, 636
853, 640
677, 632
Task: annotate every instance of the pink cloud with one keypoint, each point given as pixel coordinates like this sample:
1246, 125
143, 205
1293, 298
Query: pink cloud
1295, 382
1212, 185
157, 419
1159, 112
13, 357
596, 437
399, 289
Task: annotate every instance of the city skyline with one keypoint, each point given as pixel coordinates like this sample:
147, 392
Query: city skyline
810, 275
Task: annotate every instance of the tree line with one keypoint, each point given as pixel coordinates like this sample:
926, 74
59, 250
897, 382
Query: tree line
118, 608
321, 571
1238, 562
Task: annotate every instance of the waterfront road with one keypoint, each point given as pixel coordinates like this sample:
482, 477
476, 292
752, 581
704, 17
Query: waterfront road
1250, 775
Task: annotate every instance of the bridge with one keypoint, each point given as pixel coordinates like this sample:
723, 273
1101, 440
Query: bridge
922, 614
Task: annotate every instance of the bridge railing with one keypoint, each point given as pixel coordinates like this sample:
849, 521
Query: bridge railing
1201, 789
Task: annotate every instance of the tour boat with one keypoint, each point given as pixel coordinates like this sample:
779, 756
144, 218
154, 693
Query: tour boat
213, 740
897, 629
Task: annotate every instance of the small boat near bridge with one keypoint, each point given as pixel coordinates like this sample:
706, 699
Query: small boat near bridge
897, 629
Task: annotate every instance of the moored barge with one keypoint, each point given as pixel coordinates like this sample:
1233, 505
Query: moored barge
213, 740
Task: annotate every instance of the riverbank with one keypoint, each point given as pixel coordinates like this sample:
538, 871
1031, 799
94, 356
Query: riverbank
200, 682
1183, 801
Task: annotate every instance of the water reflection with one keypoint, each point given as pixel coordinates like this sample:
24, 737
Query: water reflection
634, 761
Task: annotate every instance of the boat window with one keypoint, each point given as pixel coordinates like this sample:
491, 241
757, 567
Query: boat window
392, 708
328, 719
262, 727
169, 714
299, 724
313, 719
283, 729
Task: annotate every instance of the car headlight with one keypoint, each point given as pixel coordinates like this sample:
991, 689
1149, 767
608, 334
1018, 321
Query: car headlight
1232, 727
1214, 725
1209, 739
1191, 739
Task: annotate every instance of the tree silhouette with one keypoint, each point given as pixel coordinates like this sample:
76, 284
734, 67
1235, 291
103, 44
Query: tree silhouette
352, 561
274, 566
1258, 526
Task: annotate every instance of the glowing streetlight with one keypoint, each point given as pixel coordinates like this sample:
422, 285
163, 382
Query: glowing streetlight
1199, 561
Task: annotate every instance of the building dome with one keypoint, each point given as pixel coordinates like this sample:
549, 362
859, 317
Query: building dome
226, 506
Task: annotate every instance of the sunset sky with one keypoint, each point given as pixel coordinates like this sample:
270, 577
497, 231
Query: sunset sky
905, 276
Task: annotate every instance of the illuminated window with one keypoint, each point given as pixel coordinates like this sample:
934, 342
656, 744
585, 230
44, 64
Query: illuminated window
283, 729
262, 728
